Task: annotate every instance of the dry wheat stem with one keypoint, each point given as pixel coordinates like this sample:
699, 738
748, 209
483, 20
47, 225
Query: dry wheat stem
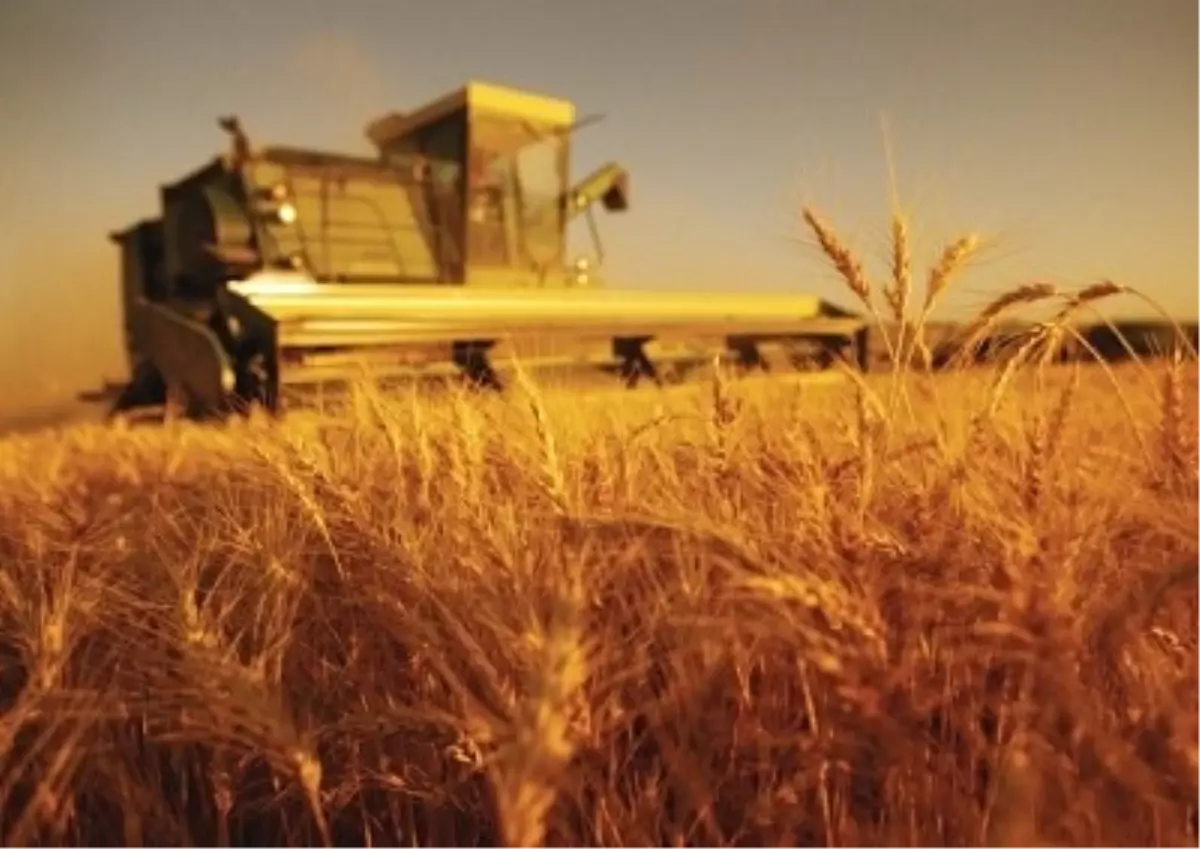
1172, 439
990, 315
952, 258
1115, 383
1133, 356
1085, 296
848, 268
900, 287
551, 466
898, 293
1182, 337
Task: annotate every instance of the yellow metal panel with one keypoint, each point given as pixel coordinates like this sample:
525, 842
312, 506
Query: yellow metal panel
311, 314
504, 277
502, 100
477, 96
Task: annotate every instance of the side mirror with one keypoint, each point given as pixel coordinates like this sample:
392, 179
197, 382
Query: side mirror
616, 199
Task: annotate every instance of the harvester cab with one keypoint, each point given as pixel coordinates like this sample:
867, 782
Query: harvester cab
276, 269
502, 157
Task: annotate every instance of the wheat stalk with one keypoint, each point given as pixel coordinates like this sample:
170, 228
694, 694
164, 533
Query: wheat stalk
1037, 451
724, 413
953, 257
990, 315
1013, 818
898, 291
1046, 336
527, 772
551, 467
1172, 440
851, 272
866, 432
843, 260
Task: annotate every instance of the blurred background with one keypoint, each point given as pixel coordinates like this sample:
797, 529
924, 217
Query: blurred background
1065, 132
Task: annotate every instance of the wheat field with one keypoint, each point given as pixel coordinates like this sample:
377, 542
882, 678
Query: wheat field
906, 609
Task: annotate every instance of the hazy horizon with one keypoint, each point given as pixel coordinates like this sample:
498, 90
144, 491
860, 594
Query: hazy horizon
1065, 133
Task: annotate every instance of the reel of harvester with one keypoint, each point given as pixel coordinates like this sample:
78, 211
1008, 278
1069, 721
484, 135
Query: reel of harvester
276, 270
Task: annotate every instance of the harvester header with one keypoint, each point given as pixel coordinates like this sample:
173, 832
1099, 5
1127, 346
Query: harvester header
442, 253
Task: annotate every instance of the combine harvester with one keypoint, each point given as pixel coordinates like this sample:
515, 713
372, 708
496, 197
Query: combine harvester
277, 269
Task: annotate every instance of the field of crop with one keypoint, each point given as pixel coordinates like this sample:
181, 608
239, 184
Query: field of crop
910, 610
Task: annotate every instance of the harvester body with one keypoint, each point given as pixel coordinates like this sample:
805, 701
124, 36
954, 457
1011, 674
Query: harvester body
278, 268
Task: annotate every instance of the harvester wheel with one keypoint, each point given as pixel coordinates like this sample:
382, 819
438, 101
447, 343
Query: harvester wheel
635, 364
145, 389
252, 385
181, 403
175, 405
472, 360
481, 375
